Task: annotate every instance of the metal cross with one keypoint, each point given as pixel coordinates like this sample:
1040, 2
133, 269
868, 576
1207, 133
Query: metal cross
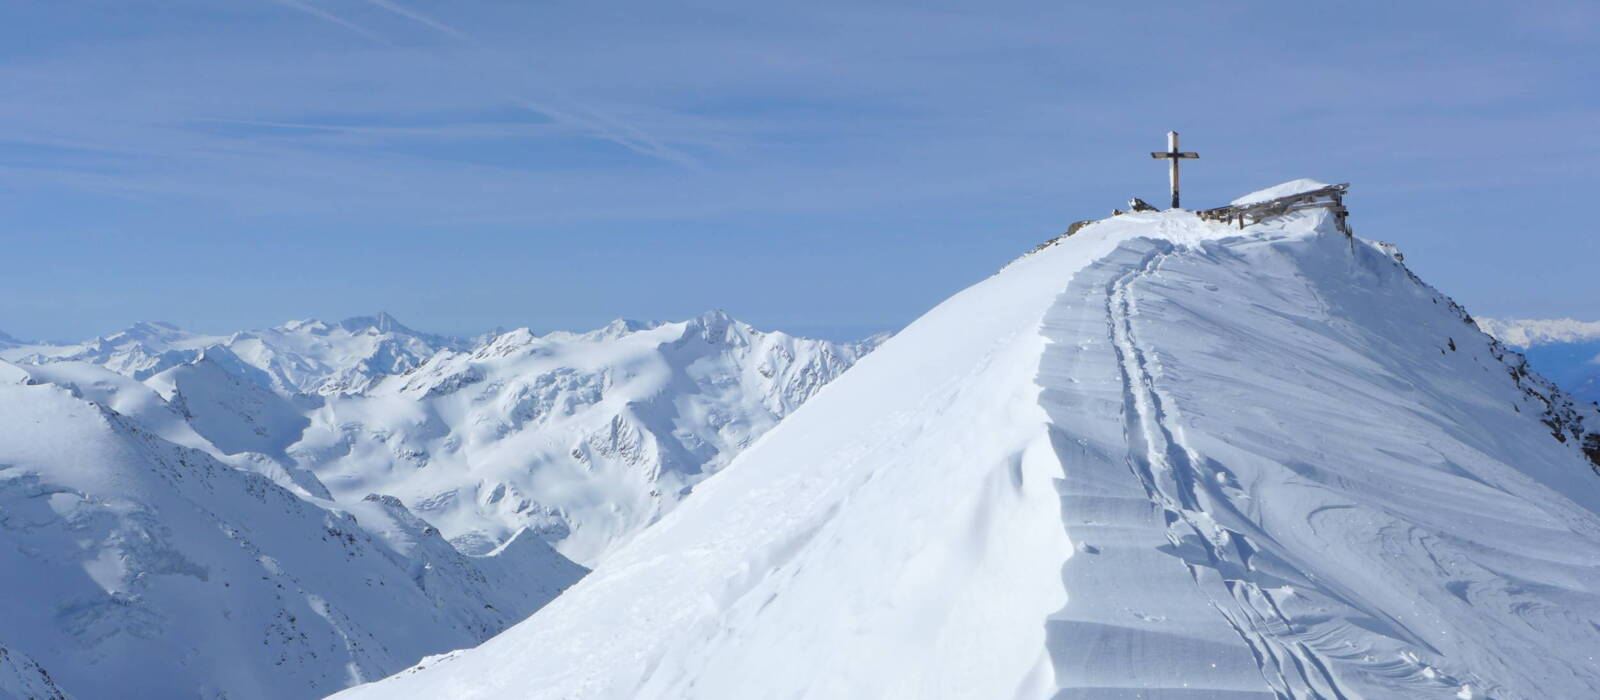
1173, 154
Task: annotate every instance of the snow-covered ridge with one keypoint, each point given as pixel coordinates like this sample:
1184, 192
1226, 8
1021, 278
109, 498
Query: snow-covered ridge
1159, 458
1527, 332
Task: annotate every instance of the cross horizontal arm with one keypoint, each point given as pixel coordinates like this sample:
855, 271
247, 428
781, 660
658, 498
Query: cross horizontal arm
1168, 154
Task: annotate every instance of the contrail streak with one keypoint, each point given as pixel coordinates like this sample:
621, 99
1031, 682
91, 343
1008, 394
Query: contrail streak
327, 16
420, 18
609, 129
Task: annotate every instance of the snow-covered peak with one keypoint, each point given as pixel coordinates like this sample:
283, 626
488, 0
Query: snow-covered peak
617, 328
380, 323
1160, 458
584, 438
156, 335
1291, 187
716, 323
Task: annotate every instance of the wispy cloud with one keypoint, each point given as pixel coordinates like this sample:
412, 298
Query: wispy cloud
586, 119
449, 130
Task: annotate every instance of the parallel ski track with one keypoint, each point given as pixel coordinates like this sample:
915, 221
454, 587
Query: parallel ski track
1295, 660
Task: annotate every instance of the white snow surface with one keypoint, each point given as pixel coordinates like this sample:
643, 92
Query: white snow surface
136, 567
1161, 458
1527, 332
163, 533
1291, 187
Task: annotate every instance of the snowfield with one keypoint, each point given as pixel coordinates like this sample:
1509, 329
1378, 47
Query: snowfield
1161, 458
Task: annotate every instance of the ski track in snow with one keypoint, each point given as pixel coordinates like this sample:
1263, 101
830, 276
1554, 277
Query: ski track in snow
1121, 642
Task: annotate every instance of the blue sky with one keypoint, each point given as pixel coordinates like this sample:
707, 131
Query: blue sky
826, 167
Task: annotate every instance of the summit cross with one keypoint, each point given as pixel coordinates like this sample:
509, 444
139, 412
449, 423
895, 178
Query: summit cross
1173, 154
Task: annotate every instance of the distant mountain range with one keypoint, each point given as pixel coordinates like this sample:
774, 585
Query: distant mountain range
1564, 350
280, 513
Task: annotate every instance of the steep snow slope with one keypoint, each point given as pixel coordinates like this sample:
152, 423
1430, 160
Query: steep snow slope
1562, 349
1158, 459
232, 413
137, 568
584, 437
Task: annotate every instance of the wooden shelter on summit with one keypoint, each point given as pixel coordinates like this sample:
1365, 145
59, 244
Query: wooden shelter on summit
1330, 198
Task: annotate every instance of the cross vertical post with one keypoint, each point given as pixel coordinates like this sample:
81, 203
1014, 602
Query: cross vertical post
1174, 155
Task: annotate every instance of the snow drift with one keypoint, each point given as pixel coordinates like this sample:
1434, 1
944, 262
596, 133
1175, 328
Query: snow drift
1161, 458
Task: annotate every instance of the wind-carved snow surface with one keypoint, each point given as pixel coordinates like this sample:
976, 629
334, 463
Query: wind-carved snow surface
1159, 459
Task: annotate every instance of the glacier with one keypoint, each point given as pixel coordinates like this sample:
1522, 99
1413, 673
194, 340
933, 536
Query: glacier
1160, 458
